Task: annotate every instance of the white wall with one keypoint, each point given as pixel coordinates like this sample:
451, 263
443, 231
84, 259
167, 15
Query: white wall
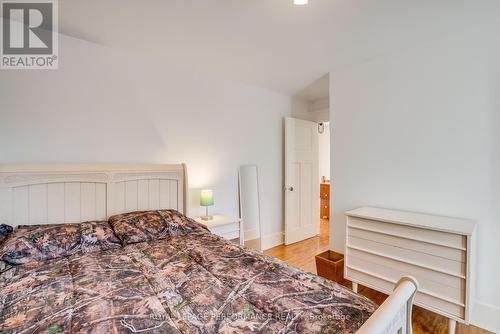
419, 130
316, 111
324, 152
102, 106
304, 109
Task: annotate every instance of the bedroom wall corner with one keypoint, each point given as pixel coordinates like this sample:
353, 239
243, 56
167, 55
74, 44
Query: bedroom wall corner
418, 130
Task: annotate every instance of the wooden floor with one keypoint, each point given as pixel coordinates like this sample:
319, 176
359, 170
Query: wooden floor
301, 255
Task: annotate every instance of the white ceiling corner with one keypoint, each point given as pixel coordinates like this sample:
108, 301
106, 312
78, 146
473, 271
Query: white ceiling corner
269, 43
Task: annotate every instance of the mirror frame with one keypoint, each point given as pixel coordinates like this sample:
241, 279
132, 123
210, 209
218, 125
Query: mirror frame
258, 201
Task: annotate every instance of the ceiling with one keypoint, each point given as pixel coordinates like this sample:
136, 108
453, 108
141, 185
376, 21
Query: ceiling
269, 43
318, 90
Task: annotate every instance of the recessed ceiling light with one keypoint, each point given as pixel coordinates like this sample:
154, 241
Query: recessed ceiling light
300, 2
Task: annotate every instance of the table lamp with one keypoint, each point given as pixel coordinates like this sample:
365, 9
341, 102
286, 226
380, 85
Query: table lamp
206, 200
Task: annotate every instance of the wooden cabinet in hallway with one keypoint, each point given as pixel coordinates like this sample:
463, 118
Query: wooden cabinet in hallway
324, 194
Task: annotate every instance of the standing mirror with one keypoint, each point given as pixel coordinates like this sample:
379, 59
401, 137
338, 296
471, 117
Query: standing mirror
248, 181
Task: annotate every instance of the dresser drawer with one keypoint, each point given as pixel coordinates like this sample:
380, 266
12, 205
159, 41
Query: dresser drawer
230, 235
324, 191
421, 273
432, 283
412, 233
428, 302
420, 259
224, 229
454, 254
324, 209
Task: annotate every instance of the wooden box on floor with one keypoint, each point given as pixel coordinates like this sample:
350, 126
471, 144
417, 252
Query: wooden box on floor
330, 265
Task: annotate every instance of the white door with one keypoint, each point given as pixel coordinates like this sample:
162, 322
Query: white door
301, 180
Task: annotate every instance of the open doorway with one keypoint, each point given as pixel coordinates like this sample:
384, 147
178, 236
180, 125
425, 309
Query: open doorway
307, 164
324, 171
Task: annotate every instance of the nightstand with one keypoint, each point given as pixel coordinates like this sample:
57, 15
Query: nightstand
225, 226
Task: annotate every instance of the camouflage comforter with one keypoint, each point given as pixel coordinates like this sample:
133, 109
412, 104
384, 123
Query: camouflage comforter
191, 283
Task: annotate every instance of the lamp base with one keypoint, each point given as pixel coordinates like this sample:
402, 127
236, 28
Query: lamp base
207, 217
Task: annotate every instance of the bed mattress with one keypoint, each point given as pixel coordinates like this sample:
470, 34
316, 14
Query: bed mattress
195, 282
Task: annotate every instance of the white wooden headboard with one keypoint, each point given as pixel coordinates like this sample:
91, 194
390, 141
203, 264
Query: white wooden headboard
64, 193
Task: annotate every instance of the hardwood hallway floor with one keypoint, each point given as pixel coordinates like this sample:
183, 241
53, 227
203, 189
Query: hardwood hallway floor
301, 255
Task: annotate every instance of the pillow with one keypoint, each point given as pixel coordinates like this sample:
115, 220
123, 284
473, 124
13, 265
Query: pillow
181, 224
5, 230
142, 226
43, 242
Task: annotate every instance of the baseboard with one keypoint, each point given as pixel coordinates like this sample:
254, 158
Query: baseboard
486, 316
252, 234
272, 240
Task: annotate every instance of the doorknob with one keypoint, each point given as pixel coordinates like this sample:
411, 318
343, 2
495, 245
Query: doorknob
289, 188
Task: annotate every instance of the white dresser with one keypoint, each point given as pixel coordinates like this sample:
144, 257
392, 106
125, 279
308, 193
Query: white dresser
383, 245
225, 226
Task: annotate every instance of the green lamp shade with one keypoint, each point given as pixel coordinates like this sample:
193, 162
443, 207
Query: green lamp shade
206, 198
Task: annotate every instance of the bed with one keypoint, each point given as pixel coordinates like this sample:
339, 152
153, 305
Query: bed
139, 265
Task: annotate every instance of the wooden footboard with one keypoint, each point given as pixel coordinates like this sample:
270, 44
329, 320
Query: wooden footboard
394, 315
